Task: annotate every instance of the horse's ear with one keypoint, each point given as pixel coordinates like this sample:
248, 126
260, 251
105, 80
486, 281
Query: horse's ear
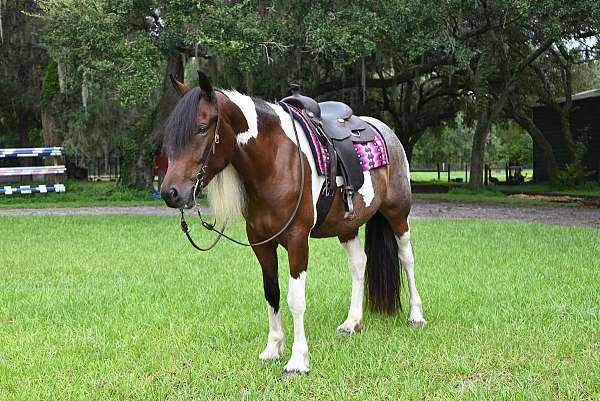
205, 84
180, 87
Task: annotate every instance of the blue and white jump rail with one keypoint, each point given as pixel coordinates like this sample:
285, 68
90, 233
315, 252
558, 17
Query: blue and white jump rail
31, 152
55, 170
29, 189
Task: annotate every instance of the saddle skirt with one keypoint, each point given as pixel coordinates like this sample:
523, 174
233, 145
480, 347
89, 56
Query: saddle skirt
371, 155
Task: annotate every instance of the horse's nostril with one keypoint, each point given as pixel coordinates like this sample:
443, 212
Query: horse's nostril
173, 193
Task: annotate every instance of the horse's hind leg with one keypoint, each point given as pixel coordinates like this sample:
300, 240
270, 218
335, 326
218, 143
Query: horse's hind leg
357, 259
399, 222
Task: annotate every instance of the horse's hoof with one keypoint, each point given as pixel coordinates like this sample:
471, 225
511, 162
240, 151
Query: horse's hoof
297, 365
349, 327
295, 372
417, 321
272, 352
266, 356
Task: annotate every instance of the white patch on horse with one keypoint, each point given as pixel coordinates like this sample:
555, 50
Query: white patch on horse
316, 180
276, 339
246, 105
367, 191
407, 259
226, 195
299, 361
357, 261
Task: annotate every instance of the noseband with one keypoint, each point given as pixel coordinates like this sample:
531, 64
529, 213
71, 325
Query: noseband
208, 152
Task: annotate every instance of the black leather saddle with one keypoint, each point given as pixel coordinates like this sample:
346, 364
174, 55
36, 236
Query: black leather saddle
337, 128
339, 123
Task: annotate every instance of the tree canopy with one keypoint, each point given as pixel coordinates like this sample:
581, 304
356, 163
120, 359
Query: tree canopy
415, 64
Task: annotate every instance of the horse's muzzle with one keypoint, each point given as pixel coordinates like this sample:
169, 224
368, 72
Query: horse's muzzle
174, 197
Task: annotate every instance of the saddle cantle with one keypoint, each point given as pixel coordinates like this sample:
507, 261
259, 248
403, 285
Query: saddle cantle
340, 123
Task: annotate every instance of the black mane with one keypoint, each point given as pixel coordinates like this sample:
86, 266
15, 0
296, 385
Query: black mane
181, 124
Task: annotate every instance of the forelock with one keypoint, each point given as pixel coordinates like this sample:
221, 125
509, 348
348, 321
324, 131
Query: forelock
180, 127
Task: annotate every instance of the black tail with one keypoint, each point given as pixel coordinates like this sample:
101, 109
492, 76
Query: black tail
383, 275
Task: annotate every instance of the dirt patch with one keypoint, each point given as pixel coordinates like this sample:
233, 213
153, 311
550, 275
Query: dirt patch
582, 200
563, 215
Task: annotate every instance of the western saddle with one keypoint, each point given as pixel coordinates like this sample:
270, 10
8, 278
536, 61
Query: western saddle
337, 129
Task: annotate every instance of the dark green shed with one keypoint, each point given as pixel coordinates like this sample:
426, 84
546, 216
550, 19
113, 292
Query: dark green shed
585, 123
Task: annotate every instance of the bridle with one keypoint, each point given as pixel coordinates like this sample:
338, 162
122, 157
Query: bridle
208, 152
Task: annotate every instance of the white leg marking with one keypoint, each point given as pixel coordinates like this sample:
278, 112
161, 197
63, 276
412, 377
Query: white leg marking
276, 340
298, 362
316, 180
407, 259
367, 191
246, 105
357, 260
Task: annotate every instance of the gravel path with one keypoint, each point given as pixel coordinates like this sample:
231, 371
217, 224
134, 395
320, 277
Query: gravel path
564, 215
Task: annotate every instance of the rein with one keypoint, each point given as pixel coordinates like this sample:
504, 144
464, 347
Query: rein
199, 185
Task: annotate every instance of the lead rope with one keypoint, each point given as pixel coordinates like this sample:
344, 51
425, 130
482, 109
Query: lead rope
221, 233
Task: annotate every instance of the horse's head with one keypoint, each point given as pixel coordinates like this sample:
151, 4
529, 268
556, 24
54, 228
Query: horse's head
199, 141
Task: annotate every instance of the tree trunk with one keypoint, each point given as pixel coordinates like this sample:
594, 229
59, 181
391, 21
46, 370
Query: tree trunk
149, 138
480, 138
50, 128
550, 165
565, 122
24, 127
487, 116
169, 98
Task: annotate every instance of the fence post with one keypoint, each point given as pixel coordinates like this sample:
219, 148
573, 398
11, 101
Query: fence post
486, 174
448, 172
466, 169
438, 170
506, 171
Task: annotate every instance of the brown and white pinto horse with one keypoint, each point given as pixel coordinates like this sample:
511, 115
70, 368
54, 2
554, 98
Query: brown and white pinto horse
253, 170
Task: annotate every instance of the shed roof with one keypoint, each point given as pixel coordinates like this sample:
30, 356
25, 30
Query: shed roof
582, 95
592, 93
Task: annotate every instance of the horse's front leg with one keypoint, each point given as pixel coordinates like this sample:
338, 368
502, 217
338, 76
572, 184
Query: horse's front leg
298, 258
267, 257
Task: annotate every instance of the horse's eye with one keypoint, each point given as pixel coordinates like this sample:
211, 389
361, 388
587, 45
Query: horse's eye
202, 130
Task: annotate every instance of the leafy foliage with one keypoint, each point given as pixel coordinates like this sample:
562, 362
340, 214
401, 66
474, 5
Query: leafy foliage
414, 63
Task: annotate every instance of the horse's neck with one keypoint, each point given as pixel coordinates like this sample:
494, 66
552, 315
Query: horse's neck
255, 162
255, 156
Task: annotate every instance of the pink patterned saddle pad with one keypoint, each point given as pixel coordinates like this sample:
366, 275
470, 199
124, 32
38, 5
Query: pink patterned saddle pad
370, 155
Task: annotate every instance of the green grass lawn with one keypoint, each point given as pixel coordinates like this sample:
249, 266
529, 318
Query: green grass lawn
491, 195
121, 308
426, 176
81, 193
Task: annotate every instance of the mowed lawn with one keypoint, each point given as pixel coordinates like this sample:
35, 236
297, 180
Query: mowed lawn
121, 308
